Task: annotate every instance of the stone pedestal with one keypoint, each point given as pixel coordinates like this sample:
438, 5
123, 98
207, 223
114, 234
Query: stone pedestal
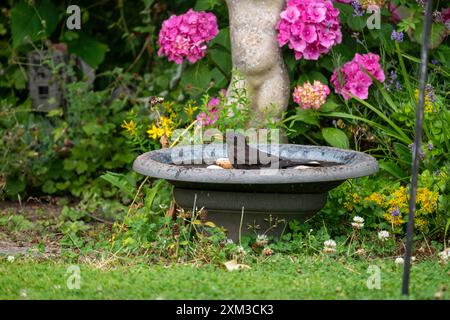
257, 56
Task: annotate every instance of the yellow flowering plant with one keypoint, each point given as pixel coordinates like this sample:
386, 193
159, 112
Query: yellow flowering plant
384, 203
150, 125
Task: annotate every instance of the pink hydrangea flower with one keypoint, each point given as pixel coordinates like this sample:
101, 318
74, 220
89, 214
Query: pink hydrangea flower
186, 35
212, 115
309, 27
353, 76
311, 96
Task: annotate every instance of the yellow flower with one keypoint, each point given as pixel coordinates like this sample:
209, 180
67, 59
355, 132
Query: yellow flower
165, 122
130, 127
399, 198
168, 106
348, 206
378, 199
377, 3
154, 132
393, 218
427, 200
189, 109
420, 223
356, 198
427, 105
166, 125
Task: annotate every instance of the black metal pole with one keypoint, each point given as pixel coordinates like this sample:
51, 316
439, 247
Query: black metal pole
417, 146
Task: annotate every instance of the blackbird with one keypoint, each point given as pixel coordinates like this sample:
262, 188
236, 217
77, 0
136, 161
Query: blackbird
242, 156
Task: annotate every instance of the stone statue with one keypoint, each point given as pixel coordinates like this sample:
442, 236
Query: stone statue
256, 54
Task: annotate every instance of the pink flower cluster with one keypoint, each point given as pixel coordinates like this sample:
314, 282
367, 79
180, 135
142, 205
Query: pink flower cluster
353, 76
311, 96
311, 27
185, 36
445, 15
212, 115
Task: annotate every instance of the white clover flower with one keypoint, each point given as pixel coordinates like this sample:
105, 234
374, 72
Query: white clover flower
358, 222
329, 246
240, 250
444, 255
383, 235
267, 251
10, 259
399, 260
261, 240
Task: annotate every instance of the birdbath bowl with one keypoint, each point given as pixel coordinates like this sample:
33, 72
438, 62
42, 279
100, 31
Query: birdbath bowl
265, 199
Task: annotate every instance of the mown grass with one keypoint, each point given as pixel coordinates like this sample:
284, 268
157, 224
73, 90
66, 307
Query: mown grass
281, 277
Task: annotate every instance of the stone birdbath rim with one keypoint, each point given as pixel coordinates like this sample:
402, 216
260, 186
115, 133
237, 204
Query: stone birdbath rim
348, 164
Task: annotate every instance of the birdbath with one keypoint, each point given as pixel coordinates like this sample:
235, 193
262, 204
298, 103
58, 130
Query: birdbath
252, 196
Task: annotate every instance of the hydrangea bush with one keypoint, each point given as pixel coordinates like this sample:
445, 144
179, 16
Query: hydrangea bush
309, 27
355, 76
185, 36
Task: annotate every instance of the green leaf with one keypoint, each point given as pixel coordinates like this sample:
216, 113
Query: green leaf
222, 39
26, 21
92, 128
195, 79
307, 116
206, 4
19, 79
329, 106
59, 131
437, 35
222, 59
210, 224
87, 48
403, 152
336, 138
393, 169
120, 181
150, 197
15, 185
311, 76
62, 185
147, 3
443, 52
81, 167
49, 187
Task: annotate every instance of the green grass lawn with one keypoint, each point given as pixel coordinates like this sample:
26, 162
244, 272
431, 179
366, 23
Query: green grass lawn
278, 278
